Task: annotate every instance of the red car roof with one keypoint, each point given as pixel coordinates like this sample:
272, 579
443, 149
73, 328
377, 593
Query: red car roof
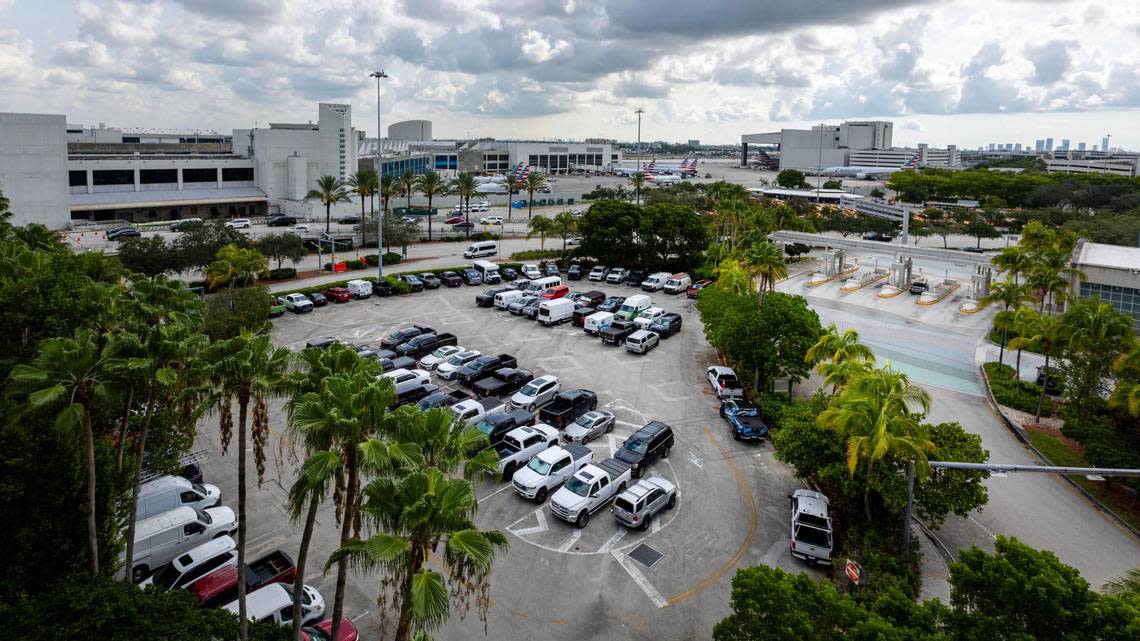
215, 583
348, 631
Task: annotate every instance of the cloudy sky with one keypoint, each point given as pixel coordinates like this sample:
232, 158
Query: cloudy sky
964, 72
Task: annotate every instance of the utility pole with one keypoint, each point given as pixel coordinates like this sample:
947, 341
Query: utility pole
819, 164
379, 170
640, 164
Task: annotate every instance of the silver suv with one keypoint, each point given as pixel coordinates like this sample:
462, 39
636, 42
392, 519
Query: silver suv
637, 505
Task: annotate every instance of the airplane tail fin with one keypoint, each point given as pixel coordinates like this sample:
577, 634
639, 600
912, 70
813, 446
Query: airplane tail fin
912, 163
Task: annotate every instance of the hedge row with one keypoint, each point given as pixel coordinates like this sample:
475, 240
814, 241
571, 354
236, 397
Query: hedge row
535, 254
1022, 397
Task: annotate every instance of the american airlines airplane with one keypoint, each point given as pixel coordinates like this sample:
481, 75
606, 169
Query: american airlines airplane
687, 169
862, 173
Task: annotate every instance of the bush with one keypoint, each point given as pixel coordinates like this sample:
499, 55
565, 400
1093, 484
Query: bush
703, 272
796, 249
371, 260
536, 254
356, 264
282, 273
483, 235
1006, 391
391, 258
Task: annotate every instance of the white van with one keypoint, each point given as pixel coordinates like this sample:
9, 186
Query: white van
655, 281
359, 288
168, 492
274, 602
556, 311
195, 564
489, 271
481, 249
678, 283
503, 299
633, 306
531, 271
539, 285
159, 539
596, 322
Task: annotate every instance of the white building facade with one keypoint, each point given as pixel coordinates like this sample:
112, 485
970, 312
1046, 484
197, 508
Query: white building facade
33, 168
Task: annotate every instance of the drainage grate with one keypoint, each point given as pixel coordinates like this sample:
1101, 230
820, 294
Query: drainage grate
646, 555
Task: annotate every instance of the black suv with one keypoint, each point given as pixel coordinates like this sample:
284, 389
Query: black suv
635, 277
281, 221
382, 288
450, 279
666, 325
487, 298
575, 272
646, 445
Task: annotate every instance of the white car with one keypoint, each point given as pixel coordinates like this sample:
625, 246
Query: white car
647, 316
491, 220
433, 360
298, 303
274, 602
598, 273
452, 364
240, 223
575, 211
574, 240
531, 271
724, 382
483, 207
407, 380
536, 393
302, 229
617, 275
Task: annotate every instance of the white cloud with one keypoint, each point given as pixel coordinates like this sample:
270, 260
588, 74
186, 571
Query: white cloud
539, 48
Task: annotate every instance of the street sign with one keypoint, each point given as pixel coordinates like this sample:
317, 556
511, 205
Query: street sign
853, 571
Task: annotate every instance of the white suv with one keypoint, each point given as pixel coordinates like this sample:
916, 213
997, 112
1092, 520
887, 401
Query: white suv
536, 393
240, 223
298, 303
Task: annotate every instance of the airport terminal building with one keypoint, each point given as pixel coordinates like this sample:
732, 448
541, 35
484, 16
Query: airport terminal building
856, 143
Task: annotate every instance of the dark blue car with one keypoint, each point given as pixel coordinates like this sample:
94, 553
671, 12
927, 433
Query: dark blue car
743, 419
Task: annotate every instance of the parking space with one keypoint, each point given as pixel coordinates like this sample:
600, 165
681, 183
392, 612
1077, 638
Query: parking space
559, 581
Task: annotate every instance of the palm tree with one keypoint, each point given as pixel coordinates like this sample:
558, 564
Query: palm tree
233, 265
731, 276
534, 182
565, 224
361, 183
250, 369
1014, 261
766, 261
429, 184
1127, 584
465, 187
330, 191
1011, 295
540, 227
837, 348
876, 414
389, 186
1004, 320
408, 186
305, 496
513, 187
637, 181
73, 370
1026, 323
1043, 335
1089, 324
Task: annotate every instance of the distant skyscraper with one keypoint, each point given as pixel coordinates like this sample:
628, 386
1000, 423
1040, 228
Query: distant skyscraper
1104, 144
1017, 147
1040, 145
1064, 144
1080, 146
1048, 144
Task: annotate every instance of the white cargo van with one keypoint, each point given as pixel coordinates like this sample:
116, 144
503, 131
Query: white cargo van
161, 538
168, 492
503, 299
488, 270
539, 285
481, 249
633, 306
556, 311
678, 283
655, 281
596, 322
359, 288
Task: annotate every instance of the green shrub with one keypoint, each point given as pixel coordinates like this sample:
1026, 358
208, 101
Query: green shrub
703, 272
356, 264
391, 258
371, 260
281, 273
483, 235
1006, 391
536, 254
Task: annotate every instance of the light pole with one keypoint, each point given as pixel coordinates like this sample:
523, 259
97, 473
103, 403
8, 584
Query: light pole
819, 164
639, 111
379, 171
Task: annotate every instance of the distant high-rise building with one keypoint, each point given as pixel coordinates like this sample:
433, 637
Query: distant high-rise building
1104, 144
1017, 147
1080, 146
693, 142
1064, 144
1048, 144
1040, 145
991, 146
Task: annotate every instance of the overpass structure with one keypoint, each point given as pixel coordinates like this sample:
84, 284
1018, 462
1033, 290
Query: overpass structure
928, 253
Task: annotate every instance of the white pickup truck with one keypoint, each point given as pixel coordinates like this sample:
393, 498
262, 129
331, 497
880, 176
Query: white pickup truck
521, 443
589, 490
811, 527
549, 469
473, 410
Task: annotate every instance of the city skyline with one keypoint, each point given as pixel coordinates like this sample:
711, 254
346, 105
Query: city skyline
578, 70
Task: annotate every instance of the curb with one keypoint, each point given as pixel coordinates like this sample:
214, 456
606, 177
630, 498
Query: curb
1020, 435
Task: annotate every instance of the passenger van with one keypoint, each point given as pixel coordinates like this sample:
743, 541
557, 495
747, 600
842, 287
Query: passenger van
655, 281
539, 285
168, 492
488, 270
504, 299
195, 564
481, 249
160, 539
633, 306
359, 288
553, 312
596, 322
677, 283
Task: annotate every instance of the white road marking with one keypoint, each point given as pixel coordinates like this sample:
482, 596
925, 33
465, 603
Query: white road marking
626, 423
613, 444
773, 554
537, 510
541, 527
696, 460
501, 489
657, 525
984, 528
639, 578
569, 543
609, 544
360, 616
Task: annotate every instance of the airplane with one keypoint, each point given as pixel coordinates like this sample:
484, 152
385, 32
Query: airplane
663, 179
863, 173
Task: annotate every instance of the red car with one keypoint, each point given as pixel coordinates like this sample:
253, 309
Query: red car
220, 586
453, 220
558, 291
338, 294
323, 631
696, 287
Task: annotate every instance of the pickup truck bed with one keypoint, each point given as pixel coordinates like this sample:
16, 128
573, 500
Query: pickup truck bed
220, 586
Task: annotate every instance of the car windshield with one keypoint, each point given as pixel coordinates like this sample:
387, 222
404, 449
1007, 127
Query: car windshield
441, 352
540, 466
485, 427
456, 360
637, 446
201, 490
529, 390
586, 421
627, 308
316, 634
578, 486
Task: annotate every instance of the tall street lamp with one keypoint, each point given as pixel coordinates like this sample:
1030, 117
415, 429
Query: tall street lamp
639, 111
379, 170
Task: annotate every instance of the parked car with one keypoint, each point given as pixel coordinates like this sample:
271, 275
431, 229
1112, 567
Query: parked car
472, 410
666, 325
554, 312
239, 223
635, 277
598, 273
589, 490
162, 538
509, 273
281, 221
220, 586
414, 284
536, 393
487, 298
617, 275
168, 492
743, 419
611, 304
556, 292
430, 280
484, 366
1050, 379
695, 289
646, 317
531, 271
655, 282
551, 269
322, 343
187, 568
277, 307
580, 313
441, 398
318, 299
348, 220
453, 220
641, 341
491, 220
275, 603
440, 354
589, 426
596, 322
496, 426
724, 382
638, 504
323, 631
617, 331
520, 444
448, 369
574, 272
463, 225
451, 279
531, 309
548, 469
403, 334
678, 283
810, 527
298, 303
425, 344
516, 307
649, 443
567, 406
337, 294
507, 380
472, 277
123, 232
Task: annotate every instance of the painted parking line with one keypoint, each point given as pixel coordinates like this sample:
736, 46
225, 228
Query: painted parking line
541, 527
360, 616
569, 542
498, 491
613, 540
628, 565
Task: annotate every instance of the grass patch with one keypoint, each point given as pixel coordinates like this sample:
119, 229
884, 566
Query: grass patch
1022, 397
1058, 453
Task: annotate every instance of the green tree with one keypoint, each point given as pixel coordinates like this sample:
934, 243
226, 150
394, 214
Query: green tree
672, 236
430, 184
148, 255
1127, 392
282, 247
1094, 336
791, 179
534, 182
765, 261
465, 187
1043, 335
565, 224
363, 183
196, 248
609, 232
408, 186
877, 193
541, 227
979, 228
832, 184
637, 181
243, 309
249, 369
835, 353
330, 191
1014, 261
513, 187
1011, 295
389, 186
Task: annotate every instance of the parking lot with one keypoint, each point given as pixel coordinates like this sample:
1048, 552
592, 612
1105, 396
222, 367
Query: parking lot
558, 581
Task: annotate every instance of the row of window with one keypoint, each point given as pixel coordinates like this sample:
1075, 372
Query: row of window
1124, 299
78, 178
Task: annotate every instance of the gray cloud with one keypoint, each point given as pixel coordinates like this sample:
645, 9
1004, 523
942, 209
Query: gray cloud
1051, 61
982, 94
759, 76
633, 88
245, 11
